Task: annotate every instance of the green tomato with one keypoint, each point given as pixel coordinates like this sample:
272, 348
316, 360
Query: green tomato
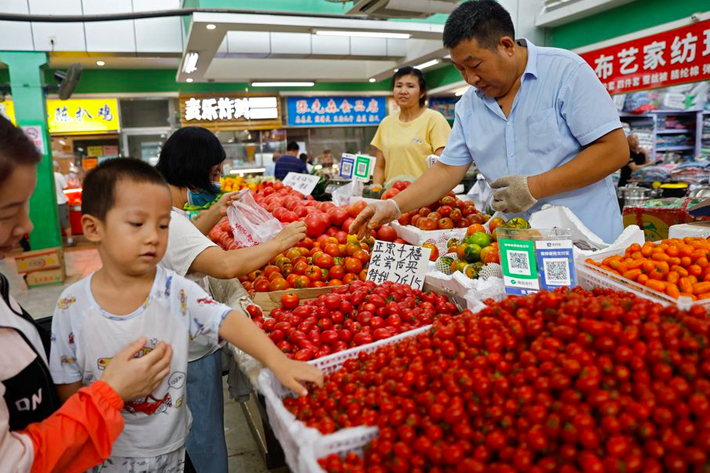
473, 253
481, 239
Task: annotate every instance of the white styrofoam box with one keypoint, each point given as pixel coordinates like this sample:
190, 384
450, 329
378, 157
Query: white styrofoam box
15, 35
415, 236
101, 36
688, 230
294, 436
349, 440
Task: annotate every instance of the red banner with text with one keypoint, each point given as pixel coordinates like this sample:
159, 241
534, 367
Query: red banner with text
668, 58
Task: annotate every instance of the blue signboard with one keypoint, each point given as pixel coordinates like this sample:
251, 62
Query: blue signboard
339, 111
444, 105
347, 166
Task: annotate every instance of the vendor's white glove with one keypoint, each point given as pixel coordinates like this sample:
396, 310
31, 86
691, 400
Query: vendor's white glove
374, 215
513, 194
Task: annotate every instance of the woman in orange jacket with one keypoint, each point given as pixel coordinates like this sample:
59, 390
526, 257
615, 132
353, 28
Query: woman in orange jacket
36, 434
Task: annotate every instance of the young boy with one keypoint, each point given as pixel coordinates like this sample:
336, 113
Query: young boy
126, 212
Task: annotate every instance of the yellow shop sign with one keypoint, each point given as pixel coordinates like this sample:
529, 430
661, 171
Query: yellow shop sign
76, 116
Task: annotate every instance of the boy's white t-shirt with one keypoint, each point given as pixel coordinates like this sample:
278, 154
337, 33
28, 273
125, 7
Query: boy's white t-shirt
85, 338
185, 243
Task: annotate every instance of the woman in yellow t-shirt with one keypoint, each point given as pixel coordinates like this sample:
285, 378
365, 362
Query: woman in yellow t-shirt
405, 139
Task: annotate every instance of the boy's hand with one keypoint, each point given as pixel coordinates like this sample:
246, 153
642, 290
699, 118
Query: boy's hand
132, 378
292, 234
292, 373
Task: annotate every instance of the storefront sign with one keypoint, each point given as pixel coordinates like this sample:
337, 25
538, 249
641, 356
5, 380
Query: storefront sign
303, 183
401, 264
75, 116
329, 111
82, 116
668, 58
231, 111
444, 105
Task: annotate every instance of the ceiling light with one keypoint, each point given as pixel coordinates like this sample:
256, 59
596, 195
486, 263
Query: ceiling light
372, 79
100, 63
424, 65
190, 64
283, 84
363, 34
211, 26
243, 171
189, 79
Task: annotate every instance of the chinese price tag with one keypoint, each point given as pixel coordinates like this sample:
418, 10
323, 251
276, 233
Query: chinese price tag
402, 264
543, 262
303, 183
347, 166
364, 165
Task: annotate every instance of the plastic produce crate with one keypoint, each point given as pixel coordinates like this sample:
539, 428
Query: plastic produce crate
342, 442
591, 277
294, 436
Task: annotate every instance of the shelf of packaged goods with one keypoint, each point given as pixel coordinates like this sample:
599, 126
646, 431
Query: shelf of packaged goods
663, 149
670, 131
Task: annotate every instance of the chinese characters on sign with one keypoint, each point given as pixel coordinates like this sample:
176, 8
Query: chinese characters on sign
671, 57
529, 266
239, 110
303, 183
82, 116
326, 111
402, 264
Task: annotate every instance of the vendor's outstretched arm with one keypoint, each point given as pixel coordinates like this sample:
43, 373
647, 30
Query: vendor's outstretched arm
430, 187
601, 158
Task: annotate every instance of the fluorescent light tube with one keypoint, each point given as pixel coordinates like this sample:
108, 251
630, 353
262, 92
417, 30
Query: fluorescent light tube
363, 34
283, 84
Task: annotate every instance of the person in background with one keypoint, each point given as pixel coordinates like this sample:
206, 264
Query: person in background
60, 183
405, 138
638, 158
191, 161
309, 165
289, 162
49, 438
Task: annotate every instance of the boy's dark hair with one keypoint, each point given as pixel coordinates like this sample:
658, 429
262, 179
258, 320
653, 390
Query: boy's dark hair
303, 157
486, 21
15, 149
410, 71
292, 146
99, 194
188, 156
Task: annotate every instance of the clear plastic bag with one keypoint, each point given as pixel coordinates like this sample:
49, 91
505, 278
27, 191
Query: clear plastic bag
481, 194
250, 223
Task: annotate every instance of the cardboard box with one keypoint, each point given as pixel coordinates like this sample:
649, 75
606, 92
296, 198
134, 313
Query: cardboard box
45, 278
656, 222
271, 300
40, 260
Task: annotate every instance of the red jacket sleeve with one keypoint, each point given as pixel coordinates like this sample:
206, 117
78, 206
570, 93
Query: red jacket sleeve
80, 434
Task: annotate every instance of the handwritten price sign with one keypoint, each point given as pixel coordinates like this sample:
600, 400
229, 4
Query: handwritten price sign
402, 264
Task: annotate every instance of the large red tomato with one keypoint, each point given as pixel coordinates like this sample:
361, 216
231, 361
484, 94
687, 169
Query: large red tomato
315, 225
356, 208
290, 301
389, 193
386, 233
338, 215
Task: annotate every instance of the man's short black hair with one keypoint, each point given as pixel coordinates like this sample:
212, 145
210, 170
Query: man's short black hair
99, 194
410, 71
292, 146
189, 155
486, 21
15, 149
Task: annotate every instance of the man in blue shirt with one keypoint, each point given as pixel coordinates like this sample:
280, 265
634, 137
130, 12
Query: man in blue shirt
289, 162
539, 125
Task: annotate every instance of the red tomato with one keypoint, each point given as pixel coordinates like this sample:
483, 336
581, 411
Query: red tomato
353, 265
290, 301
386, 233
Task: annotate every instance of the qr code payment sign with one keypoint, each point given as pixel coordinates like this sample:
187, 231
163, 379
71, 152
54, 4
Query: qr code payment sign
519, 263
347, 168
557, 271
362, 168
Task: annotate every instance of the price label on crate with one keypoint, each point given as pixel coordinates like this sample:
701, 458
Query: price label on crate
531, 266
364, 166
303, 183
402, 264
347, 166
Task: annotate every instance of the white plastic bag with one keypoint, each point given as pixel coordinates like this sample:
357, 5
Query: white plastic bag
343, 194
250, 223
481, 194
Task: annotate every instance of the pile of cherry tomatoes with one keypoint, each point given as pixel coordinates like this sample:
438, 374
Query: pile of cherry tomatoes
569, 382
349, 316
674, 267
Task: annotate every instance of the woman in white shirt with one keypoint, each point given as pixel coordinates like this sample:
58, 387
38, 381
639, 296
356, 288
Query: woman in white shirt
191, 162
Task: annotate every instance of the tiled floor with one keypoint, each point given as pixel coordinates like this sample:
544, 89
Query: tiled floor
244, 456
